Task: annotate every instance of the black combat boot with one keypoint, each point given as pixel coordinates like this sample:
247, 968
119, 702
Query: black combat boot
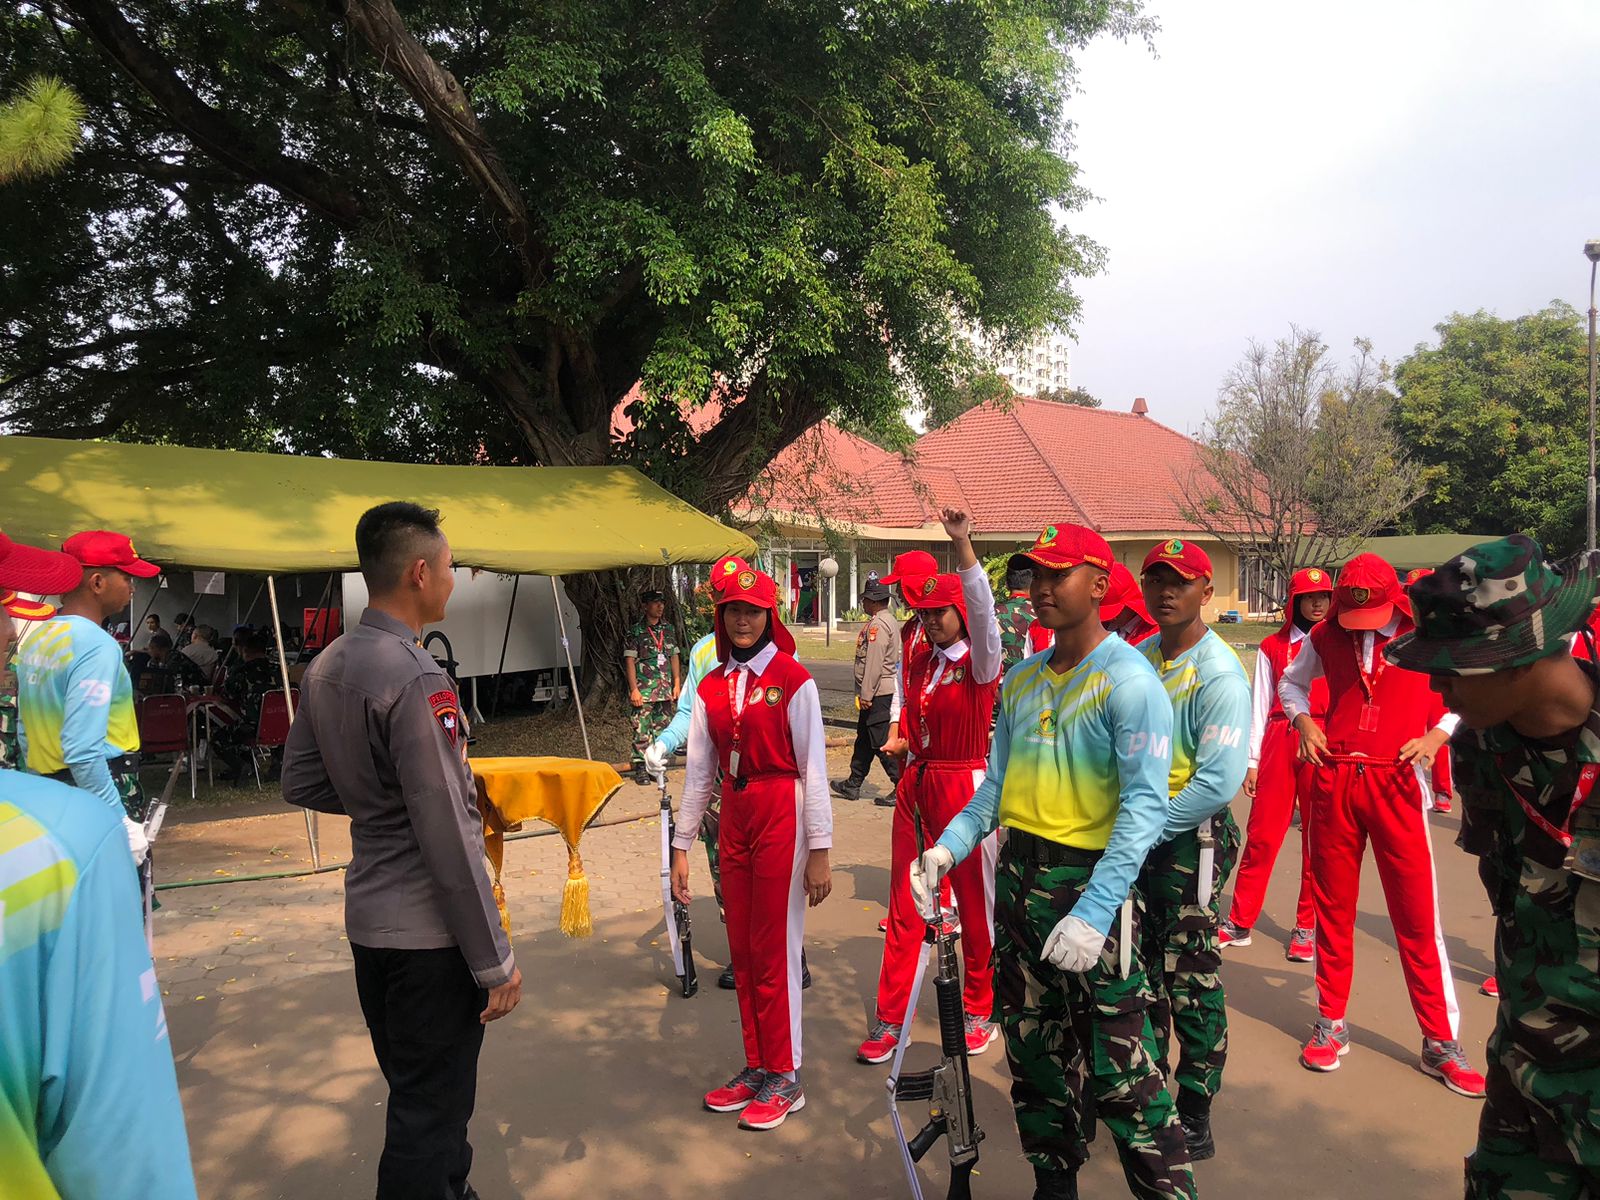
1050, 1184
1194, 1113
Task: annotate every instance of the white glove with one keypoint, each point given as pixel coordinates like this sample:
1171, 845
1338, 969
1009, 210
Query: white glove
137, 843
655, 759
926, 872
1074, 944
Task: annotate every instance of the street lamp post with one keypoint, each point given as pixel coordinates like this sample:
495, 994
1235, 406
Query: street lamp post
1591, 250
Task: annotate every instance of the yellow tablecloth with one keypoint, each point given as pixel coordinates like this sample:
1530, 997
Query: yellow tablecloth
566, 792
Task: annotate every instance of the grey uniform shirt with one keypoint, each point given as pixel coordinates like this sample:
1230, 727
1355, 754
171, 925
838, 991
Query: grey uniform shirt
877, 657
379, 737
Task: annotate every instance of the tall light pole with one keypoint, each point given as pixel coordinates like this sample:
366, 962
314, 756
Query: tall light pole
1591, 249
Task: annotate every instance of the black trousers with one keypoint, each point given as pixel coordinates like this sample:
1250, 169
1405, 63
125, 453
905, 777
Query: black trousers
872, 730
421, 1007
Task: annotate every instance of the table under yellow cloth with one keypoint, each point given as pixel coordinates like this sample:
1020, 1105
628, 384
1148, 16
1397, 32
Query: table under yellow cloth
568, 793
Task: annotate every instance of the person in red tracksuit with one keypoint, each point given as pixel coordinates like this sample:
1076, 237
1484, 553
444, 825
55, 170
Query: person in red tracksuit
950, 686
1276, 781
758, 721
1368, 786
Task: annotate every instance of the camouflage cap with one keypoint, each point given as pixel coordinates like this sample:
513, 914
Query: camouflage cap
1498, 605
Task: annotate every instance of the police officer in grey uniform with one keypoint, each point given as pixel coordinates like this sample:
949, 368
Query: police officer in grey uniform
379, 737
877, 666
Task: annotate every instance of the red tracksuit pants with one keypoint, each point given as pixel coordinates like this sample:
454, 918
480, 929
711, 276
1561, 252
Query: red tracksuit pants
763, 853
936, 792
1354, 801
1279, 779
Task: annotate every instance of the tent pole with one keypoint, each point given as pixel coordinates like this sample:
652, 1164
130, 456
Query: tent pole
572, 675
322, 607
494, 707
288, 700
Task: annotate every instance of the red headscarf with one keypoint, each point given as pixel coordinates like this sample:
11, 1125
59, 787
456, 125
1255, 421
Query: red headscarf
1123, 592
1307, 581
751, 587
938, 591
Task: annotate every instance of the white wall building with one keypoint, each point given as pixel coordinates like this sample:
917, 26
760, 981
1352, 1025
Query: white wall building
1044, 364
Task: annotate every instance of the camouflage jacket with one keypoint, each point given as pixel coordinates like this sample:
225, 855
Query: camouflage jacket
1015, 614
652, 649
247, 682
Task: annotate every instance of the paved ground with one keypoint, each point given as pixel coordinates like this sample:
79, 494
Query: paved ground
591, 1088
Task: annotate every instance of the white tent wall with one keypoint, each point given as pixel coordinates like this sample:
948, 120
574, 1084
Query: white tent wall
232, 607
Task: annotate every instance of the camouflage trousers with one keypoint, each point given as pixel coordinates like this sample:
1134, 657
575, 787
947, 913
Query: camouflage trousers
10, 754
1076, 1038
649, 719
710, 829
1179, 942
1539, 1132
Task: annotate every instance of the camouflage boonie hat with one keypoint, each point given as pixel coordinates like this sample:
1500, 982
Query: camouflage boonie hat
1497, 606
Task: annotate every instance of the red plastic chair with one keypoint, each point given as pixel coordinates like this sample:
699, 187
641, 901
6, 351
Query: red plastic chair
164, 729
272, 726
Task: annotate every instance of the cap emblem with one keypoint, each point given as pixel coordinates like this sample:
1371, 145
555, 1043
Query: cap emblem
1048, 537
1173, 547
747, 580
929, 584
1314, 575
1360, 595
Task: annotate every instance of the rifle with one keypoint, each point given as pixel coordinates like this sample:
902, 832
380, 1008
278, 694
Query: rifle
677, 915
948, 1086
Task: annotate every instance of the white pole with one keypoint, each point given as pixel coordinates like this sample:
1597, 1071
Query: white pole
288, 700
572, 674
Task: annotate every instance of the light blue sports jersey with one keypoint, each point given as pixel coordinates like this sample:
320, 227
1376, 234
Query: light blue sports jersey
702, 661
1081, 759
88, 1094
1210, 697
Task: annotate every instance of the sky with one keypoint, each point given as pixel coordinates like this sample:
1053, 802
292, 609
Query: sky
1360, 169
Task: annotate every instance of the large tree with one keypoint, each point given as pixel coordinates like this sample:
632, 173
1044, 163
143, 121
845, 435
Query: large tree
1497, 414
464, 231
1299, 464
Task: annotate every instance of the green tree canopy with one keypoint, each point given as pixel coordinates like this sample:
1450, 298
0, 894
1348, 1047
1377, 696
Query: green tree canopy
1497, 414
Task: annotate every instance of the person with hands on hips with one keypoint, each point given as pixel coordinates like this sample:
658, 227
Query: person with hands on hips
1078, 776
950, 682
757, 719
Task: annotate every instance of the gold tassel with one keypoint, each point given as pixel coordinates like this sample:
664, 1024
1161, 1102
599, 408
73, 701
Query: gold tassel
500, 903
575, 919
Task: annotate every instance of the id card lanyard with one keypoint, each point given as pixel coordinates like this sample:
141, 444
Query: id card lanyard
1588, 774
660, 641
1369, 684
736, 703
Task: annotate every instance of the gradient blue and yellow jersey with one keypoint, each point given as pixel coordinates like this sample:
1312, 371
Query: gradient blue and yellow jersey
702, 661
88, 1094
75, 703
1080, 758
1210, 697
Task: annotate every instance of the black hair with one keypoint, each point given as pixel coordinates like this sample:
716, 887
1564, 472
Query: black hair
252, 640
161, 638
1018, 580
182, 618
389, 538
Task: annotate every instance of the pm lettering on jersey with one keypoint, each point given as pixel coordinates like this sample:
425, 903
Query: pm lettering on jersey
1228, 736
1147, 743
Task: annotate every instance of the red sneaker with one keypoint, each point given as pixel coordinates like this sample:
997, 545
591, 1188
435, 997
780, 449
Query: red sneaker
1229, 934
1447, 1062
882, 1038
1441, 803
737, 1092
981, 1034
1302, 945
1329, 1043
1490, 987
779, 1097
883, 925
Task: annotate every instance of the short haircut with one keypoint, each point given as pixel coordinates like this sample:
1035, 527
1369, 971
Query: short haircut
392, 536
182, 617
1018, 580
252, 641
206, 634
161, 640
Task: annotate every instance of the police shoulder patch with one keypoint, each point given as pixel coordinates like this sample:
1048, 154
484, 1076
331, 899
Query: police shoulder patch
446, 711
872, 633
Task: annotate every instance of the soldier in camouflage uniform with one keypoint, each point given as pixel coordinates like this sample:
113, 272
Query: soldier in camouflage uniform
1015, 614
650, 657
170, 672
1493, 629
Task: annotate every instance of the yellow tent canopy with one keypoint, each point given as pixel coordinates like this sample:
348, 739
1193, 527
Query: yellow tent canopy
228, 510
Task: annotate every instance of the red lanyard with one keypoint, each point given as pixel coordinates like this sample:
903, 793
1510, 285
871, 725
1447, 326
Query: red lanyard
660, 639
1369, 683
1587, 775
736, 704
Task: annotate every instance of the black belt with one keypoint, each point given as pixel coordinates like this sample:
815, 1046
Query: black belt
1031, 847
122, 762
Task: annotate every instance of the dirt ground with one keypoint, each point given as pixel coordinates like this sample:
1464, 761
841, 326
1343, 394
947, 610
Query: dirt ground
591, 1088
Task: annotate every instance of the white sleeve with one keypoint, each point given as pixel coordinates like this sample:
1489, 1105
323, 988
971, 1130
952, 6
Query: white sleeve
985, 630
1294, 689
1448, 723
811, 753
1263, 691
898, 702
699, 777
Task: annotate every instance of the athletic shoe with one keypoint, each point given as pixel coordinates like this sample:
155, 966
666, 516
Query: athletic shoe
1490, 987
1441, 802
981, 1034
779, 1097
881, 1041
850, 789
1329, 1043
725, 980
1447, 1062
1302, 944
1229, 934
739, 1091
883, 925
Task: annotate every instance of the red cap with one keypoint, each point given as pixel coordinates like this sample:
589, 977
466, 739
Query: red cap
1185, 558
43, 572
1417, 573
726, 569
750, 586
1367, 593
1123, 592
102, 548
1060, 547
938, 591
1308, 581
911, 567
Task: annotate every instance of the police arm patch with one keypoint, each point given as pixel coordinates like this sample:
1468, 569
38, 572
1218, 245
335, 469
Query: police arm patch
447, 712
